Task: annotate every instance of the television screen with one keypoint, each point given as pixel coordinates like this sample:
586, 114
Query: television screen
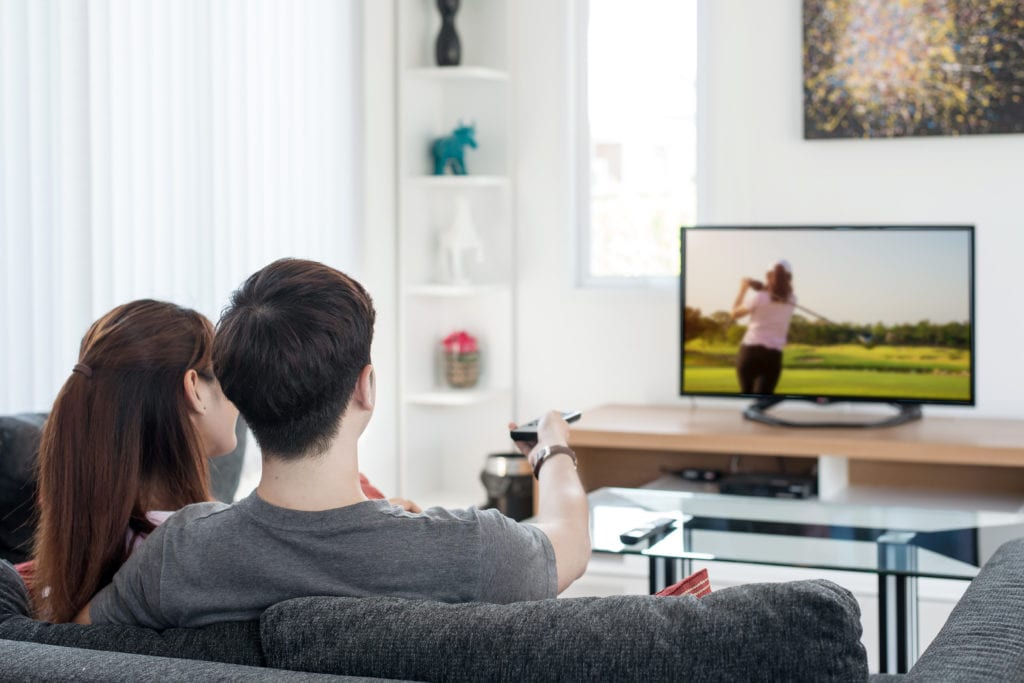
829, 313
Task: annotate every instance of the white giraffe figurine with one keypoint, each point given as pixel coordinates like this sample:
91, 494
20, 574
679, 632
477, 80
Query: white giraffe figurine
458, 238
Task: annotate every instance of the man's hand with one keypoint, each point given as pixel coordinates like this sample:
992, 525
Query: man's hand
552, 430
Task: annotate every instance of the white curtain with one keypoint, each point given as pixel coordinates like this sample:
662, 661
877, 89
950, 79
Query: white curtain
165, 149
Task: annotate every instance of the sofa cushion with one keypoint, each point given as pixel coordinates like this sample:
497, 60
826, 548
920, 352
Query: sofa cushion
19, 443
782, 631
983, 638
232, 642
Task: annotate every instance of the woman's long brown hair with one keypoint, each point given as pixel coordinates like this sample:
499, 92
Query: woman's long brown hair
118, 441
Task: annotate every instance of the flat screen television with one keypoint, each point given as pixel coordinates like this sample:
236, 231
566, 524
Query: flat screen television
828, 313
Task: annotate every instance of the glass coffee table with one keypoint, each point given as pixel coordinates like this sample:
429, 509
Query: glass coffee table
897, 543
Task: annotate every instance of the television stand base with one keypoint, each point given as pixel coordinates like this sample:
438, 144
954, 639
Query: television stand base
907, 412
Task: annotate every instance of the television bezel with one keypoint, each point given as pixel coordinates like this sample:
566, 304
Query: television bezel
832, 398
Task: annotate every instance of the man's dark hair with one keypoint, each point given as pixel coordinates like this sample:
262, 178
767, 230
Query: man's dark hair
288, 352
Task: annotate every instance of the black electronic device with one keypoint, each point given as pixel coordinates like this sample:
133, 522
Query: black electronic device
528, 432
652, 529
770, 485
860, 313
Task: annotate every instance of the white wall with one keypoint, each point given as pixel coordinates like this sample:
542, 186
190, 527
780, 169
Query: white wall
586, 347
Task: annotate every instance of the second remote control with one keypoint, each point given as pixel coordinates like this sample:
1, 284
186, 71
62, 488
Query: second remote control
658, 526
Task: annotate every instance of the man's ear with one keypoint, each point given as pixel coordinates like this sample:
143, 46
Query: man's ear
192, 397
366, 389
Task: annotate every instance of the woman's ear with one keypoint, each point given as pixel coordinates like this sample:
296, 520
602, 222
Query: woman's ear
192, 397
366, 388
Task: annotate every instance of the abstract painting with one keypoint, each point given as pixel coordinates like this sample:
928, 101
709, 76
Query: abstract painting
893, 68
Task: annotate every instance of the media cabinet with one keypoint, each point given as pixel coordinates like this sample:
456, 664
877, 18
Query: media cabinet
960, 462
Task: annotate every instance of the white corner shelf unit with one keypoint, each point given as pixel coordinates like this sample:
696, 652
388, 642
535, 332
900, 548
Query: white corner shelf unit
445, 433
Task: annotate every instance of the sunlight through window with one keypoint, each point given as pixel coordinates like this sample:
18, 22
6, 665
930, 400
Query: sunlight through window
641, 112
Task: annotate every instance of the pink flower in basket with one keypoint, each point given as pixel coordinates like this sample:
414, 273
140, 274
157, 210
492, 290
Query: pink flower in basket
460, 342
462, 359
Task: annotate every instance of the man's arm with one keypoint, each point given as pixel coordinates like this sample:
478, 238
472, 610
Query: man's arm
562, 511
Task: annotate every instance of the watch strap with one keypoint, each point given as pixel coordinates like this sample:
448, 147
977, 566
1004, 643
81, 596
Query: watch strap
546, 452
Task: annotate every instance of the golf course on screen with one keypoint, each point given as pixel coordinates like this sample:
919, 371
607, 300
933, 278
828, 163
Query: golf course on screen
881, 371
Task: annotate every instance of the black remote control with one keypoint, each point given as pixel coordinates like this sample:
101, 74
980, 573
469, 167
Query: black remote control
655, 528
528, 432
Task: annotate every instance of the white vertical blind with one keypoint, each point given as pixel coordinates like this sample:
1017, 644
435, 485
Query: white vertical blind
165, 149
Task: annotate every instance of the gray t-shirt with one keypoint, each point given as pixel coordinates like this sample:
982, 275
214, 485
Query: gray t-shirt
212, 562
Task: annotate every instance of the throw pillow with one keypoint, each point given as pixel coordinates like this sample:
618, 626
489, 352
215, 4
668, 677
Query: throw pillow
696, 584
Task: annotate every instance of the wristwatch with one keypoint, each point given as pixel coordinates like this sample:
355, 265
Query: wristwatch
546, 452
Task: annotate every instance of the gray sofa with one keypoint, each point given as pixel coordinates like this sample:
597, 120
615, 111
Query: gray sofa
785, 631
804, 630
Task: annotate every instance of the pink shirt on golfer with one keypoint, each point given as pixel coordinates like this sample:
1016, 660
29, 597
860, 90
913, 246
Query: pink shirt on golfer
769, 320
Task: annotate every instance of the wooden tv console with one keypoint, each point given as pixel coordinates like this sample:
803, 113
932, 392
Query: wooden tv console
973, 461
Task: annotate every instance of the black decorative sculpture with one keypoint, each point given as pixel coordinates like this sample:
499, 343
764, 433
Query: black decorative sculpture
448, 50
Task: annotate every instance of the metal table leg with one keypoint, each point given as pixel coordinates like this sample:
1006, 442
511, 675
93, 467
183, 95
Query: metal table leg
662, 572
897, 607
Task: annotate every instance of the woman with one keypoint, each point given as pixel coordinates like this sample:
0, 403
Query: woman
125, 445
759, 361
129, 435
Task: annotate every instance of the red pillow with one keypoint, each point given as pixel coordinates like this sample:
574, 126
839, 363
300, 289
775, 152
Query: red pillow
696, 584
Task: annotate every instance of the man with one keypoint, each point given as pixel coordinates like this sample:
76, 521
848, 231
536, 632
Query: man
292, 351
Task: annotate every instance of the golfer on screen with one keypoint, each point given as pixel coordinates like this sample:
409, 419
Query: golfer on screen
770, 307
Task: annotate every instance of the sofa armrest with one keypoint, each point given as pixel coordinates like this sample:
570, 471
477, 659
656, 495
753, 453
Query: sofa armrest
983, 639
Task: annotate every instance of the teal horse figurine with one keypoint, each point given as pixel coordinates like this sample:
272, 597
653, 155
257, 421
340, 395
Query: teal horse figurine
448, 150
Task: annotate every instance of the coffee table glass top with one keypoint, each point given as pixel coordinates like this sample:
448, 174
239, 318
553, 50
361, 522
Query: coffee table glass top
885, 539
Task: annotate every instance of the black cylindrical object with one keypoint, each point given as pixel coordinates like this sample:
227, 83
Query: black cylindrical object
448, 48
509, 483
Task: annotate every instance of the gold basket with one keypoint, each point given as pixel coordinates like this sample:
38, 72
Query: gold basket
462, 370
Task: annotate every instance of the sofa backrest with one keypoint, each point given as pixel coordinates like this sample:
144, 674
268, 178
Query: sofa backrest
784, 631
19, 443
231, 642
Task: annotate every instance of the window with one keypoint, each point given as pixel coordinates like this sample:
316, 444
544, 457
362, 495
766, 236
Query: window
638, 173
